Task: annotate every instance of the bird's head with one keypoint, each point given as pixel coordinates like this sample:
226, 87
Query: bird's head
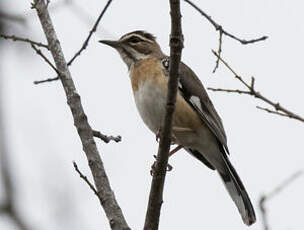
135, 46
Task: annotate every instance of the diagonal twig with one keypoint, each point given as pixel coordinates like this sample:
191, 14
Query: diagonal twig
272, 111
93, 30
220, 28
279, 110
84, 45
98, 134
222, 32
85, 179
46, 80
229, 90
274, 192
106, 138
38, 51
15, 38
219, 51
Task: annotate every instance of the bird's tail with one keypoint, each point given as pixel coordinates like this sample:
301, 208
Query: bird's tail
237, 192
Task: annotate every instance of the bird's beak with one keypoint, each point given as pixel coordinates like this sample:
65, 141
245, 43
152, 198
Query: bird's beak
114, 44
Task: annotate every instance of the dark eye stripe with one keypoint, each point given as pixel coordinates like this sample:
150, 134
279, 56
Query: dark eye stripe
134, 39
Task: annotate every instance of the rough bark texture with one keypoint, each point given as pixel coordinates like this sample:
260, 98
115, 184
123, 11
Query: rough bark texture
108, 201
156, 192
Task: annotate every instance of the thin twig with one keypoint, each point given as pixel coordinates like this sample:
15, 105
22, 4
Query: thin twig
229, 90
102, 184
157, 186
219, 51
15, 38
274, 192
86, 180
220, 28
221, 32
38, 51
284, 184
272, 111
85, 17
46, 80
106, 138
86, 42
280, 110
84, 45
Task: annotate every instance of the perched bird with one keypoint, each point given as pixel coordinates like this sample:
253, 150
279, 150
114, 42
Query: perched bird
196, 125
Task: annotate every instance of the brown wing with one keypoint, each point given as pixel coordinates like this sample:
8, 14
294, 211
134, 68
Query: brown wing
195, 94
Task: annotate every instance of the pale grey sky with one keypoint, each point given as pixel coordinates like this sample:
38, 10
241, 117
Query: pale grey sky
265, 149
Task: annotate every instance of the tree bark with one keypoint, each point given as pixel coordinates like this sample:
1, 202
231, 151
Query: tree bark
108, 201
157, 187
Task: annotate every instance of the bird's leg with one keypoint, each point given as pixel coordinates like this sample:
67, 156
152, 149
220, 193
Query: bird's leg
169, 167
157, 135
173, 140
177, 148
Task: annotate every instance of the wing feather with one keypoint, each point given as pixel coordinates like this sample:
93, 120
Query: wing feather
193, 91
195, 94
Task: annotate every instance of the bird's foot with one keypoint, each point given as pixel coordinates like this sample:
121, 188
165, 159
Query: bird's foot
153, 167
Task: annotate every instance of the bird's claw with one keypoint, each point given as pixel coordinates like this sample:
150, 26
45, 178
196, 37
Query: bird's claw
153, 167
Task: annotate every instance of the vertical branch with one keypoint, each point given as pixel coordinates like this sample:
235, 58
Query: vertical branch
156, 192
108, 201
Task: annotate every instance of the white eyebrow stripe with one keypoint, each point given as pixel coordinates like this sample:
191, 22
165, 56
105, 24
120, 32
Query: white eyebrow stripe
136, 35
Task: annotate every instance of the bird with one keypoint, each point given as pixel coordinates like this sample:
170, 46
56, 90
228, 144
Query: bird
196, 127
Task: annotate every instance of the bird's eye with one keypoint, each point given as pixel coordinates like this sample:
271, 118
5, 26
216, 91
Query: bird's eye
134, 39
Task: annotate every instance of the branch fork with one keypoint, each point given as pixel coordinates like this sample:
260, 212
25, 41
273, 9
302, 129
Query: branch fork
279, 110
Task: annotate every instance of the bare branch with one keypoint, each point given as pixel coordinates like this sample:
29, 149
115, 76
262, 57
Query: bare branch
219, 51
273, 193
86, 180
85, 16
280, 110
272, 111
106, 138
46, 80
229, 90
222, 30
84, 45
38, 51
15, 38
108, 201
86, 42
284, 184
156, 192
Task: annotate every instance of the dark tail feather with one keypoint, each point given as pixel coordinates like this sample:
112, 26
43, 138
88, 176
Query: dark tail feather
237, 192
